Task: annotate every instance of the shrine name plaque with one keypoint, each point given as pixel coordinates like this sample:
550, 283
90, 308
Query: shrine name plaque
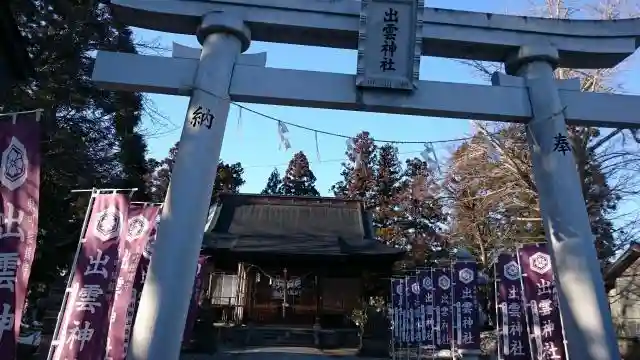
389, 44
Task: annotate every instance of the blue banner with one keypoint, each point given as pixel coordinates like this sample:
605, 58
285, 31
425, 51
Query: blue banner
465, 310
398, 309
427, 314
443, 300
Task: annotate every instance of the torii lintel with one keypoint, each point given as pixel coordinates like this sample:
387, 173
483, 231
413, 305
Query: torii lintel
585, 44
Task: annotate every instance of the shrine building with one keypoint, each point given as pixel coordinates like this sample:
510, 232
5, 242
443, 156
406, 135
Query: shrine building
318, 249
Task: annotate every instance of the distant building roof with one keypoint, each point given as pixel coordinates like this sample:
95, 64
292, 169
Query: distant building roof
615, 270
289, 225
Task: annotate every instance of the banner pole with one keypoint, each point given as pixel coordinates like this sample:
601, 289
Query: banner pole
433, 314
100, 191
83, 231
21, 112
496, 289
557, 304
407, 322
392, 319
525, 303
418, 314
454, 327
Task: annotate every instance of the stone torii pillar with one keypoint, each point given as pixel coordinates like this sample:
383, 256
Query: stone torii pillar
165, 298
586, 316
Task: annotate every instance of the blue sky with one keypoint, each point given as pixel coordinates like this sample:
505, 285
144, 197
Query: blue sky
253, 140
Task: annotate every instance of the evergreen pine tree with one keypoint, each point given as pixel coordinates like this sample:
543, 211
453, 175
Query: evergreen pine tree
274, 184
229, 177
299, 179
90, 136
358, 174
387, 177
126, 120
422, 214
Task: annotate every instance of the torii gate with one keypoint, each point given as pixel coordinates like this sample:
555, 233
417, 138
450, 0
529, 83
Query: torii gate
386, 81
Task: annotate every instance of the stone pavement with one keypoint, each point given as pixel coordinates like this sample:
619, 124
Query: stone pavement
278, 353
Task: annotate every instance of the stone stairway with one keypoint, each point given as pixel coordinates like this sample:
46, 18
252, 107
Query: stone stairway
261, 336
276, 336
279, 353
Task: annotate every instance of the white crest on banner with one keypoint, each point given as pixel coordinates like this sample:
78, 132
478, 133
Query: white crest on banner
427, 283
138, 226
15, 163
109, 223
415, 288
466, 275
399, 289
540, 262
444, 282
512, 271
148, 247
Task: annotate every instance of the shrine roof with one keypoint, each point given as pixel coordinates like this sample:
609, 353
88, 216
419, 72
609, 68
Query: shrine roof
292, 225
618, 267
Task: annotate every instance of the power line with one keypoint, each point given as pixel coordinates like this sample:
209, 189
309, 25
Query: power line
280, 122
328, 133
427, 144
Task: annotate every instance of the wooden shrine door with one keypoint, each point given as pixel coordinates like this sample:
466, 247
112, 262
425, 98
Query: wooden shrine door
272, 305
302, 299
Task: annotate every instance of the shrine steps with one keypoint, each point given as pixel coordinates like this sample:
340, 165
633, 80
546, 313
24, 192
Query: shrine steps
280, 353
280, 336
258, 336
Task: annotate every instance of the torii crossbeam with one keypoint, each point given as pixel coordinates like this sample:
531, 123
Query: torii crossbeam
263, 85
530, 48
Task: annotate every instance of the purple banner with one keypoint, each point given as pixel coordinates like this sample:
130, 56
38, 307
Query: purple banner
20, 191
465, 311
83, 331
141, 221
425, 278
513, 336
192, 315
543, 314
141, 276
443, 309
397, 309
